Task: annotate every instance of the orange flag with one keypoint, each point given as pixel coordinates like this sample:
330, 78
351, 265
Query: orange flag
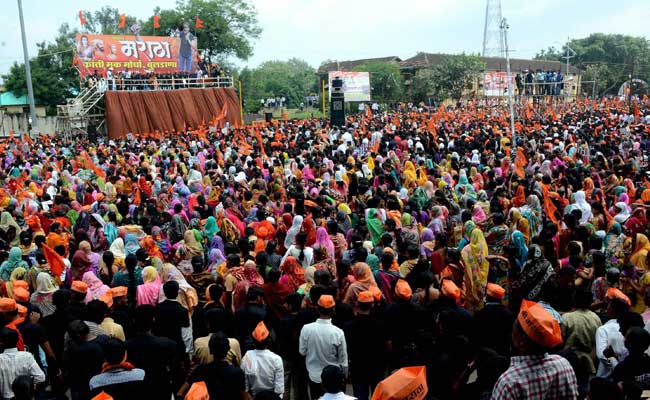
54, 260
637, 113
122, 23
199, 23
156, 21
520, 163
82, 19
549, 207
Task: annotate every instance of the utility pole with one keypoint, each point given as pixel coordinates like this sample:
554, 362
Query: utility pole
28, 70
570, 53
504, 30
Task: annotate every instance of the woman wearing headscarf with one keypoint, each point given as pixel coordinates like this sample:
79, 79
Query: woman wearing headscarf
131, 244
343, 221
620, 212
15, 260
189, 248
177, 228
637, 222
246, 276
293, 231
8, 225
580, 203
96, 288
535, 273
309, 281
118, 250
293, 274
427, 243
410, 175
42, 296
216, 263
309, 228
522, 226
210, 228
437, 224
18, 274
474, 256
639, 254
468, 228
532, 211
409, 232
149, 291
375, 226
187, 295
519, 243
323, 241
363, 280
161, 241
149, 245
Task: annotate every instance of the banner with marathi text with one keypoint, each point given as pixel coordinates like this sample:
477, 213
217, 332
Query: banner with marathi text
159, 54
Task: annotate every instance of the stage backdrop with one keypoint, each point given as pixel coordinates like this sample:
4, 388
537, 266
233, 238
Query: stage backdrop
141, 112
356, 85
159, 54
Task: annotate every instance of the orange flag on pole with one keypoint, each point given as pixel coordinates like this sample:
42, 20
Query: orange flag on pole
520, 163
199, 23
122, 23
54, 260
82, 19
156, 21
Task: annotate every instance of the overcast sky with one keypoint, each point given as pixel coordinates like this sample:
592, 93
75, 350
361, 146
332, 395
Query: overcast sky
316, 30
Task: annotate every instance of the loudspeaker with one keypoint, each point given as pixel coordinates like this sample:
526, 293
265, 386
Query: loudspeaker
337, 109
268, 117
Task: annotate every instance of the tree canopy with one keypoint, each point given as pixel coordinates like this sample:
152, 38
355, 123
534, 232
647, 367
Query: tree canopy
294, 79
229, 28
386, 82
609, 59
448, 79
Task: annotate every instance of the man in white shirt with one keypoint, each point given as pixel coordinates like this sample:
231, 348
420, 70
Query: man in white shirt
322, 344
334, 384
14, 363
610, 343
262, 368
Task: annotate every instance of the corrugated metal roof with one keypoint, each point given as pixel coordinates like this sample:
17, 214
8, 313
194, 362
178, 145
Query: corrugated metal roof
424, 60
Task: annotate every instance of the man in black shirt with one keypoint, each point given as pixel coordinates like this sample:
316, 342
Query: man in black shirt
155, 355
82, 359
367, 344
171, 316
247, 317
493, 323
224, 381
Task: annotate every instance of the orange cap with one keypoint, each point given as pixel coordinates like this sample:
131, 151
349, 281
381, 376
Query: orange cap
107, 298
614, 293
102, 396
403, 290
326, 301
119, 291
21, 284
540, 326
376, 293
495, 291
7, 304
21, 294
22, 310
79, 286
450, 290
405, 383
365, 297
260, 333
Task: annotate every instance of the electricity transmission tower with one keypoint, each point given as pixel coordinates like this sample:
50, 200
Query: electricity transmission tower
492, 32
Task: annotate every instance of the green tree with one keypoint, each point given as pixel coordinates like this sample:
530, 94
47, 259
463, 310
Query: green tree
448, 79
53, 77
609, 59
386, 82
230, 26
293, 79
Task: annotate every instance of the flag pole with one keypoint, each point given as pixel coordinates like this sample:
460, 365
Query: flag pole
241, 105
28, 70
323, 96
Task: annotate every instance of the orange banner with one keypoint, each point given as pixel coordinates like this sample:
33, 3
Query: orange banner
139, 54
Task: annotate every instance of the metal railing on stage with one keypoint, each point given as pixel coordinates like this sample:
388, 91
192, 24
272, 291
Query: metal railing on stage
165, 83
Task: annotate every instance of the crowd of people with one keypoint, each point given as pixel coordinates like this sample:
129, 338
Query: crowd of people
205, 75
289, 260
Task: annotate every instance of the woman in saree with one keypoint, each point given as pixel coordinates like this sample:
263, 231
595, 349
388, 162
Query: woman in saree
189, 248
42, 296
149, 291
15, 260
375, 226
474, 256
363, 280
293, 274
640, 252
535, 273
